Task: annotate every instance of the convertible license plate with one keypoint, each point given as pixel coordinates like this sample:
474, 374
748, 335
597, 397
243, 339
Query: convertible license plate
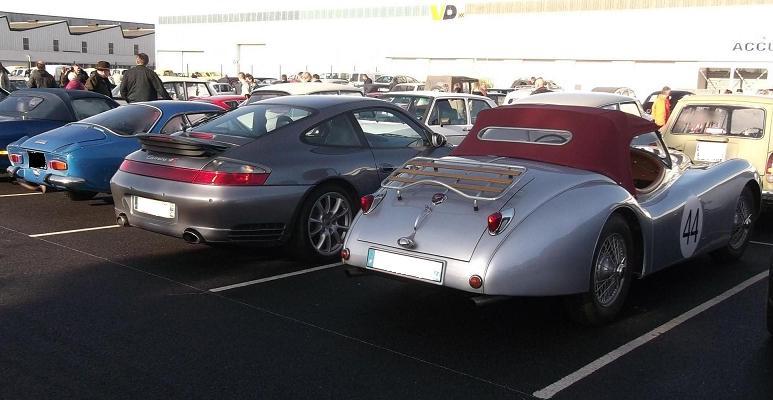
420, 268
710, 151
156, 208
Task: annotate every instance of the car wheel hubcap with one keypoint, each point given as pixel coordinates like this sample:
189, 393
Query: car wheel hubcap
609, 272
329, 220
742, 222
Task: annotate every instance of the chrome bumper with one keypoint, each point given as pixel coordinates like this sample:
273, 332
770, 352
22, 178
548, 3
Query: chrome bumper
67, 182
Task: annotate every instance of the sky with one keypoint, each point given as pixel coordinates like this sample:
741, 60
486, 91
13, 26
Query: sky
148, 11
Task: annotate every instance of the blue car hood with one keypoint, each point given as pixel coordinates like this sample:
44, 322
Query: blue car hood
64, 136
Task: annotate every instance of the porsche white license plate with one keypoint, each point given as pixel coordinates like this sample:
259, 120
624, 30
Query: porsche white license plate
414, 267
156, 208
710, 151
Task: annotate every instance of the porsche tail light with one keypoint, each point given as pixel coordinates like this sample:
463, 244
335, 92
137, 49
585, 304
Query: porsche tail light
216, 173
494, 222
345, 254
229, 173
57, 165
366, 202
476, 282
768, 169
16, 158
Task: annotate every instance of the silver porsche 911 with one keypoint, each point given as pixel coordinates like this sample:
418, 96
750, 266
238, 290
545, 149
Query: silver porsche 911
288, 168
545, 200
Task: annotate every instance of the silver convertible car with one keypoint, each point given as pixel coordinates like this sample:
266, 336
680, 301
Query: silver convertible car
287, 168
545, 200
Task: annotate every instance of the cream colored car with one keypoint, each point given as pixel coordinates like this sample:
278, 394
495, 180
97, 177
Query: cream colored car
715, 128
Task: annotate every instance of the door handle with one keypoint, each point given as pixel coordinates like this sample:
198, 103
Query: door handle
386, 168
466, 129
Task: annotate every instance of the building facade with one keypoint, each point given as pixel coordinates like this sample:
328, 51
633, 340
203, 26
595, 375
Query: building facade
64, 40
710, 45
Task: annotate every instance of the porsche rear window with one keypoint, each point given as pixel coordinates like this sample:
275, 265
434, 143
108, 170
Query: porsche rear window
720, 120
525, 135
19, 104
255, 120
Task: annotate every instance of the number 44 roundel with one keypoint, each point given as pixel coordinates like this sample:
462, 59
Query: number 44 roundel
691, 227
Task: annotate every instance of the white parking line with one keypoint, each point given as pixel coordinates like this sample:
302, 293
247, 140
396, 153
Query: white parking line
20, 194
275, 277
762, 243
74, 231
594, 366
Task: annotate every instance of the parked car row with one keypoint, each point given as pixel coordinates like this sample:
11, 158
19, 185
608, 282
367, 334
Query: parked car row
376, 183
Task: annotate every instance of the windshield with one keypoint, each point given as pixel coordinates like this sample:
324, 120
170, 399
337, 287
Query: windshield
255, 120
383, 79
418, 106
651, 143
127, 120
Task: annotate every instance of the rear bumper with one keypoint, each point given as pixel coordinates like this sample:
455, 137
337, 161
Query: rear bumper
46, 178
218, 213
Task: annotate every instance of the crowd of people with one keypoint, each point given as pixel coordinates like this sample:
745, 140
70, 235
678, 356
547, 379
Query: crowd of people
139, 83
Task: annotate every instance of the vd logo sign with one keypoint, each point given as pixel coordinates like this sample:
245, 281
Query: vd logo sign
444, 12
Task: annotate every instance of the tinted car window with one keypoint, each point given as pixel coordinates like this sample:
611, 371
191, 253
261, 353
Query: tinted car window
385, 129
20, 104
255, 120
86, 107
175, 124
477, 106
127, 120
720, 121
337, 131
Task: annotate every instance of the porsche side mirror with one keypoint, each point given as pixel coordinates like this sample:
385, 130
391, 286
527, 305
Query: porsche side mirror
438, 140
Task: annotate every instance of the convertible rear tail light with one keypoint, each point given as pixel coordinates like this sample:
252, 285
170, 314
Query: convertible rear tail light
498, 221
768, 169
494, 222
217, 173
476, 282
57, 165
366, 202
16, 158
345, 254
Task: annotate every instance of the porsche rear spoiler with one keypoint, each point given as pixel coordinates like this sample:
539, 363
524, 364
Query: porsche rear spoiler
477, 181
182, 146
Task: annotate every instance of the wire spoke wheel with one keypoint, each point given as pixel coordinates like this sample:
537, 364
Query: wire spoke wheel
610, 270
329, 219
742, 222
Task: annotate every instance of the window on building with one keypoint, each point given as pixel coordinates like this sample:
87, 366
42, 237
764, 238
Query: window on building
136, 49
25, 43
56, 45
84, 47
110, 48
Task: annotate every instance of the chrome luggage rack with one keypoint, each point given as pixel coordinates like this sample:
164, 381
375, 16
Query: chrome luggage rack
476, 181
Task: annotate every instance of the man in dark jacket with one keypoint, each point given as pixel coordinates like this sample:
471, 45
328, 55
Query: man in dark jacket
99, 81
140, 83
40, 78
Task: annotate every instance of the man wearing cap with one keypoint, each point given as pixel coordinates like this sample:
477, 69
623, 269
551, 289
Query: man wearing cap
99, 82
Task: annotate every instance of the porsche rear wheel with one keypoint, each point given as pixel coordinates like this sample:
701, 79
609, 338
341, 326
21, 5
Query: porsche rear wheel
79, 195
610, 276
325, 218
740, 234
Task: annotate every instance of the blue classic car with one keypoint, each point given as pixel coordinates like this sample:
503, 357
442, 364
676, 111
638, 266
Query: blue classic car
29, 112
81, 157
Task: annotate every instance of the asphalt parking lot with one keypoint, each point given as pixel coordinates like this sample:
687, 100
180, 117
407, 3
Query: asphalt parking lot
123, 313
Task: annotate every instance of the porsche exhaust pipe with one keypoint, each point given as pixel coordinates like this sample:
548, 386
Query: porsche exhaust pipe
191, 236
122, 220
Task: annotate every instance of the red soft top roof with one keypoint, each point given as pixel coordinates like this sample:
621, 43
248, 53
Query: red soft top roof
600, 141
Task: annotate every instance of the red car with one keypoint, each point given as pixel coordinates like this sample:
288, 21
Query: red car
225, 101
